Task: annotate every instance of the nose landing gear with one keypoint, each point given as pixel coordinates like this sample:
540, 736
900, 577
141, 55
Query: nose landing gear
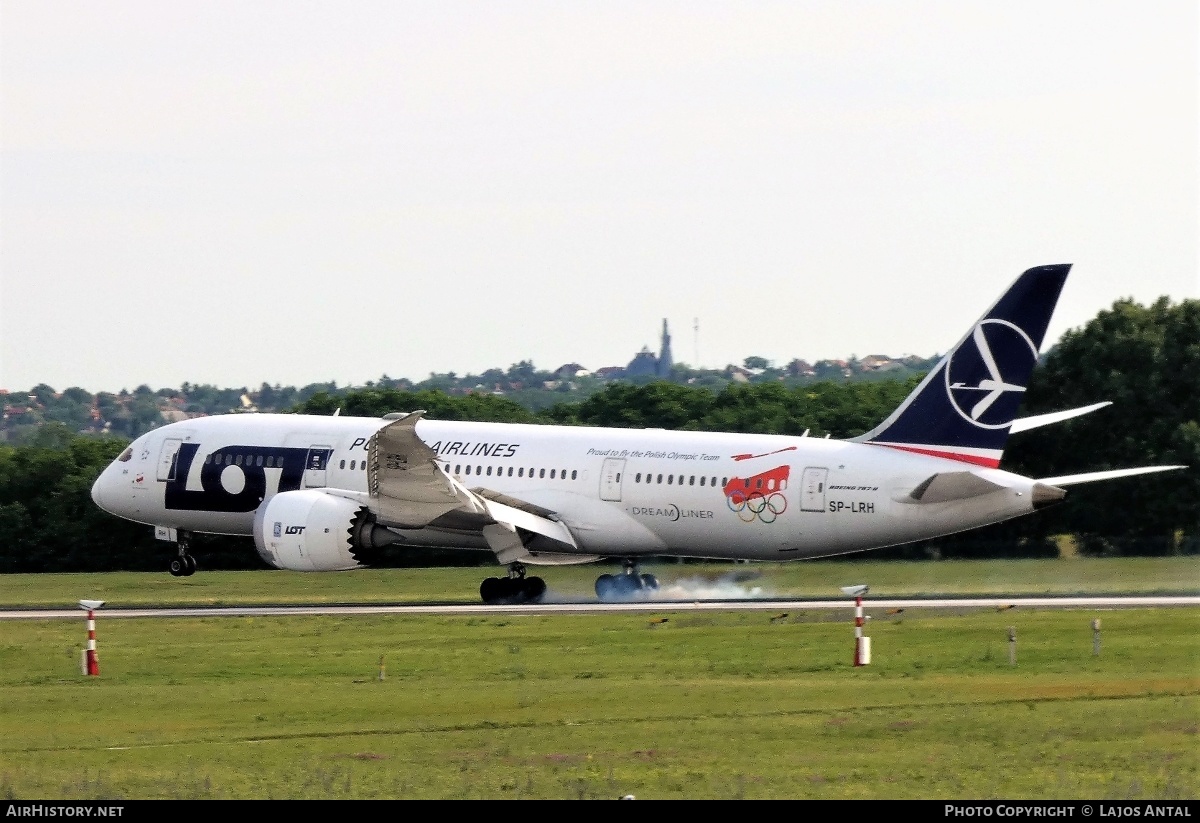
628, 585
516, 588
184, 565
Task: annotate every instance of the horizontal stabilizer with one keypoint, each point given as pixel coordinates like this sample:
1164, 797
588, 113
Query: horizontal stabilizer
1091, 477
1035, 421
946, 486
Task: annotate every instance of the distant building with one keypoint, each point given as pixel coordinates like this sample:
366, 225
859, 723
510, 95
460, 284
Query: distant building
569, 370
646, 364
879, 362
643, 364
609, 372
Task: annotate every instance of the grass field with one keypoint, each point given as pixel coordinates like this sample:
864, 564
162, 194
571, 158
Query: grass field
662, 705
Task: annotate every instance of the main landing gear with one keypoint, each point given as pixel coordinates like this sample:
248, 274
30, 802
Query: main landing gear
516, 588
184, 565
627, 585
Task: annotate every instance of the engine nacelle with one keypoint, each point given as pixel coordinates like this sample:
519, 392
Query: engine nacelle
314, 531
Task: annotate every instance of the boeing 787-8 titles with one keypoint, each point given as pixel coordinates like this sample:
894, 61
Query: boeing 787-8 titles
332, 493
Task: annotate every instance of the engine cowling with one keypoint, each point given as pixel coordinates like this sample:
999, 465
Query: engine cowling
314, 531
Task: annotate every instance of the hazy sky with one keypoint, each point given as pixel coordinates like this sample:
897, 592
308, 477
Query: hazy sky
291, 192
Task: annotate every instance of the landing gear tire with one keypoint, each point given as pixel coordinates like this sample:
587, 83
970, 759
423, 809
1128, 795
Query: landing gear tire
628, 585
512, 590
606, 587
490, 590
535, 588
183, 565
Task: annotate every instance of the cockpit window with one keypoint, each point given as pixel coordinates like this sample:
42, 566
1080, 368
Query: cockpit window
126, 455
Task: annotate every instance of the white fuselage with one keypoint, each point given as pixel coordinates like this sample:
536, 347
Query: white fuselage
620, 492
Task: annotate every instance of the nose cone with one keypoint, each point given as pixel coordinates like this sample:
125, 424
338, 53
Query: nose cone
101, 491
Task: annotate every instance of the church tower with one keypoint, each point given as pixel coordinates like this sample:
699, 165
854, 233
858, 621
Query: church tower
665, 361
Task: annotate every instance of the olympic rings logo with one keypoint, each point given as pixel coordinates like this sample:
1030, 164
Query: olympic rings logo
756, 505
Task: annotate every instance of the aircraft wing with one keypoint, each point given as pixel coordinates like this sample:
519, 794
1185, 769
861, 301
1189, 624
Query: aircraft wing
408, 490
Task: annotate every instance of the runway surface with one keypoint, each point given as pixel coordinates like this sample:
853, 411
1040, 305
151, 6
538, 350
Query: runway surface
593, 607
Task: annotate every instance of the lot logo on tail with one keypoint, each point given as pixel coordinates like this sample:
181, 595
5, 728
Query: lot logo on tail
975, 379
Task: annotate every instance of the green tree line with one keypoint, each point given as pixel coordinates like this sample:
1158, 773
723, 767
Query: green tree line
1146, 359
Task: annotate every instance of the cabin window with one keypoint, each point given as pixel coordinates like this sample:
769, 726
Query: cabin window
207, 460
692, 480
521, 472
724, 481
258, 460
342, 465
670, 479
574, 474
637, 478
510, 471
468, 469
770, 485
552, 474
489, 471
660, 478
238, 461
458, 468
702, 479
541, 473
758, 483
228, 459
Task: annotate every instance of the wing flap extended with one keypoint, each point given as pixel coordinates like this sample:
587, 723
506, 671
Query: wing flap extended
516, 503
407, 487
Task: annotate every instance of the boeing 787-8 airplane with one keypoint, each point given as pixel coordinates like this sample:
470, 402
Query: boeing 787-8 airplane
331, 493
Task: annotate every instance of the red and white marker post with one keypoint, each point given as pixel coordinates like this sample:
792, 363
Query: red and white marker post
91, 663
862, 645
